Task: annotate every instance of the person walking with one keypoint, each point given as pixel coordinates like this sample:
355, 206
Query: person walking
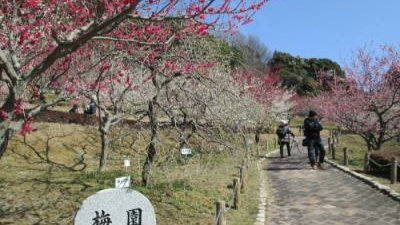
90, 108
312, 129
283, 132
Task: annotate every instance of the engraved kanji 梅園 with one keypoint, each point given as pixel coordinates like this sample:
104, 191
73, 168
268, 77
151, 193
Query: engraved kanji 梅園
134, 217
102, 219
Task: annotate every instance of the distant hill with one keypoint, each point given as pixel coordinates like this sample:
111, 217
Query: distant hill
301, 74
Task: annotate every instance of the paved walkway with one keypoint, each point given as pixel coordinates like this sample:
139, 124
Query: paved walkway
298, 195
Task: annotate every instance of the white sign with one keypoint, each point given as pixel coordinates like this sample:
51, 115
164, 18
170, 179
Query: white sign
127, 163
122, 182
186, 151
116, 207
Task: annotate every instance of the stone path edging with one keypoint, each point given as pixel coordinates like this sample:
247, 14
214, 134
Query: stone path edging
260, 220
385, 189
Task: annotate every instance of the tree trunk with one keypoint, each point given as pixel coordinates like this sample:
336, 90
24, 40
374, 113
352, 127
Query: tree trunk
152, 147
7, 131
5, 136
104, 126
257, 139
151, 153
6, 128
105, 141
246, 146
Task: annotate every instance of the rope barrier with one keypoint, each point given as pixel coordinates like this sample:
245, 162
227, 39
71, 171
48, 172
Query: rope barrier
380, 165
351, 158
229, 205
232, 199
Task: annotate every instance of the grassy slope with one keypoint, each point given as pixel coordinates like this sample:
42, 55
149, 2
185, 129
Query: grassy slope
183, 190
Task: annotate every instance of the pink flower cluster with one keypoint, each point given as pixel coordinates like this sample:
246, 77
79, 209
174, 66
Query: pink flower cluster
27, 126
3, 114
18, 106
32, 3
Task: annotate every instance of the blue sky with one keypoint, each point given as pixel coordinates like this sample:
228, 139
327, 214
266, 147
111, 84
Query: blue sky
330, 29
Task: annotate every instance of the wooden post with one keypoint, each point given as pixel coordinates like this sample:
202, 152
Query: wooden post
241, 178
248, 150
366, 162
219, 214
334, 137
393, 174
339, 128
337, 137
236, 194
345, 157
275, 143
338, 133
333, 150
329, 145
244, 162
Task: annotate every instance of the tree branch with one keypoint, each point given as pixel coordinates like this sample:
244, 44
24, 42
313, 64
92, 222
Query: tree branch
87, 33
8, 67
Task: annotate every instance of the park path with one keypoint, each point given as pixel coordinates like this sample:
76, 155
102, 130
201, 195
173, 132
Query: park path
298, 195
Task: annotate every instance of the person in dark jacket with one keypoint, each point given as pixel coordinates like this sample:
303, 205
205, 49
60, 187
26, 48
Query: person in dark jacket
283, 132
90, 109
312, 129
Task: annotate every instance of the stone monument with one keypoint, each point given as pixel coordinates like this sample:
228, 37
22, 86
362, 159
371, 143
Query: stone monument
116, 206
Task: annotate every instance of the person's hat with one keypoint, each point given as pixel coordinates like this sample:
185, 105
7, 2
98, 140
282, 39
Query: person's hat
284, 122
312, 113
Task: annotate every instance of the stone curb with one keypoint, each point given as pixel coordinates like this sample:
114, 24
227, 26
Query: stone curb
384, 189
263, 196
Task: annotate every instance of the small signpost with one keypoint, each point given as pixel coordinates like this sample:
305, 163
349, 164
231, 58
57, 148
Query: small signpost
119, 206
186, 151
127, 163
123, 182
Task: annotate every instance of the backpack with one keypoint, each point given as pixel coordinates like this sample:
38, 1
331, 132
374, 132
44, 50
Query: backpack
90, 109
281, 132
